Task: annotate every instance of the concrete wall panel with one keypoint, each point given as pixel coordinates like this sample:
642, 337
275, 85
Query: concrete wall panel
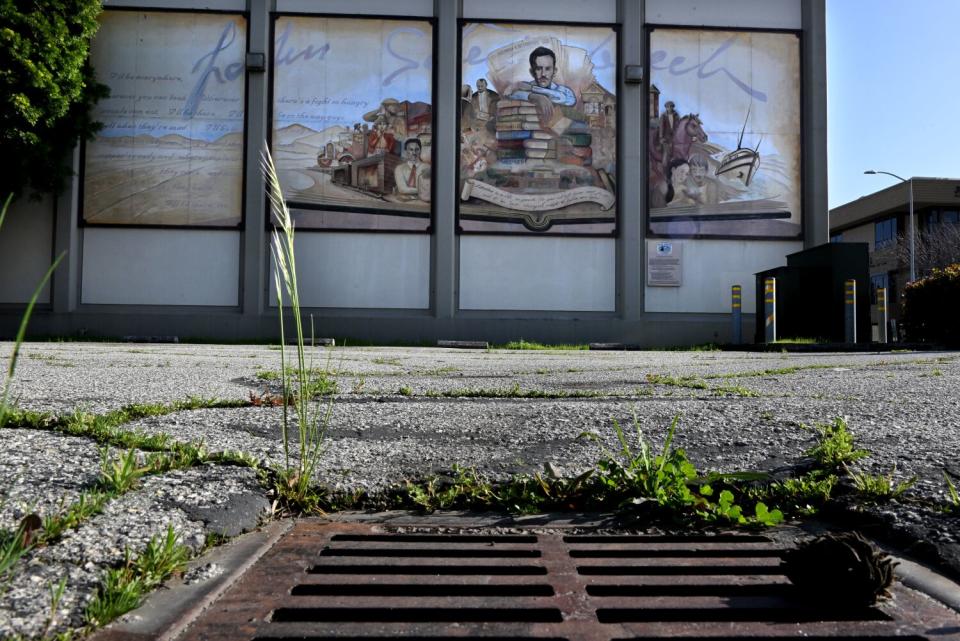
207, 5
538, 274
582, 11
758, 14
160, 267
26, 250
371, 271
367, 7
711, 267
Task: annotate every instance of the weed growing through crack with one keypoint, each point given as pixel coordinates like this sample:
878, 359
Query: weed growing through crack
120, 473
952, 495
512, 392
56, 594
835, 445
803, 495
529, 345
311, 420
879, 487
13, 545
633, 481
122, 588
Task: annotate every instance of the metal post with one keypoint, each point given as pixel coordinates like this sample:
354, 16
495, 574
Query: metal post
770, 308
850, 310
736, 315
913, 244
882, 314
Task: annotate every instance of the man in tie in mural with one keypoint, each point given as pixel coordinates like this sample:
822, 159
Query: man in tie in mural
412, 177
544, 92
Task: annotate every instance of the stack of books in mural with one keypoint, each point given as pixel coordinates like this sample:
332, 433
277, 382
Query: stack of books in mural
521, 135
538, 150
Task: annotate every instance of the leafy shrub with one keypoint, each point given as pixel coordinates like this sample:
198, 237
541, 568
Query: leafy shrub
47, 88
931, 306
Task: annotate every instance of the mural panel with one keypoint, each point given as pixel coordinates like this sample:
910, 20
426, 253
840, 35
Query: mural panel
171, 148
723, 143
538, 129
353, 121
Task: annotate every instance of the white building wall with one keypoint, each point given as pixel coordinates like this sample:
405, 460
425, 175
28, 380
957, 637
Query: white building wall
355, 270
580, 11
26, 250
367, 7
711, 267
756, 14
542, 274
160, 267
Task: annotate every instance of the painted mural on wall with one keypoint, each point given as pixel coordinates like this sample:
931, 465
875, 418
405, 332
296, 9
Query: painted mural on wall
538, 128
353, 121
171, 148
724, 134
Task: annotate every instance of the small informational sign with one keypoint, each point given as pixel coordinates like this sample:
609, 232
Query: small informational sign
664, 263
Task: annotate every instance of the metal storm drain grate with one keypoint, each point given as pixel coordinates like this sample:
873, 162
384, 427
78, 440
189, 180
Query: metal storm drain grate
353, 581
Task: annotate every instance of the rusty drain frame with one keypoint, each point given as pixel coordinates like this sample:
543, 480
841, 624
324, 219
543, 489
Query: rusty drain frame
326, 580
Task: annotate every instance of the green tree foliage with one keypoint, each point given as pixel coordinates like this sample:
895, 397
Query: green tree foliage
47, 88
931, 306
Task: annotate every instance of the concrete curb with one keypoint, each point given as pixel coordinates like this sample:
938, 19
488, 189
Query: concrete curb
923, 579
170, 610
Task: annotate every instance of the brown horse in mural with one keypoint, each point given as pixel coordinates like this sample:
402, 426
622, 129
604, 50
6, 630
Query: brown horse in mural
688, 132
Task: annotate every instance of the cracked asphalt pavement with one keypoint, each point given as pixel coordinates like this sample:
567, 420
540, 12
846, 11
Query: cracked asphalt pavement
405, 413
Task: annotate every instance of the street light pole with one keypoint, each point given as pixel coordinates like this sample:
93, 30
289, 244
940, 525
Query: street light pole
913, 262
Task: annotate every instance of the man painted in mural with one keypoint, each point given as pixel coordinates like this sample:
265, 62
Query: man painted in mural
668, 127
544, 92
412, 177
484, 101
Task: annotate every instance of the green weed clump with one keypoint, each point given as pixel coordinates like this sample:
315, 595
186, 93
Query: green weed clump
835, 445
534, 346
123, 588
664, 484
879, 487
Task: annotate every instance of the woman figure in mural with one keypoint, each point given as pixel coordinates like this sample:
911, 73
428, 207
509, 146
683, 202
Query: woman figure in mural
671, 191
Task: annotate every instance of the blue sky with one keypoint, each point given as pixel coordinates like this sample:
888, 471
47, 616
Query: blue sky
893, 87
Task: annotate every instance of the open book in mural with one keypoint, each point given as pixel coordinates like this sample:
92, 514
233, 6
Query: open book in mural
353, 121
171, 149
538, 113
723, 142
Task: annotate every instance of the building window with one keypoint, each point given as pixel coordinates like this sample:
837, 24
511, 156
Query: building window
938, 217
885, 232
878, 282
837, 238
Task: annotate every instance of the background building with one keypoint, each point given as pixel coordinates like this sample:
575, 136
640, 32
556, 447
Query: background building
602, 218
882, 220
